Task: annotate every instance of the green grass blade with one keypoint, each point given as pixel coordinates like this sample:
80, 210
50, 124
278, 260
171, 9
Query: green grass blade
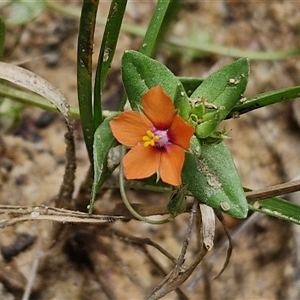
108, 46
157, 26
159, 20
278, 208
266, 99
84, 71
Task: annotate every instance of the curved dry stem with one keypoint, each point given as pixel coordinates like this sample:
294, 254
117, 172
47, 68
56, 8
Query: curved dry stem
126, 202
200, 275
230, 246
180, 273
142, 243
17, 214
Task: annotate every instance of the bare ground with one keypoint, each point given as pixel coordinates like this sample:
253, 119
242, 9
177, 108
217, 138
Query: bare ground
92, 262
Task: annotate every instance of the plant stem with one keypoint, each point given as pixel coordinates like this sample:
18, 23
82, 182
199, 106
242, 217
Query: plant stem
127, 203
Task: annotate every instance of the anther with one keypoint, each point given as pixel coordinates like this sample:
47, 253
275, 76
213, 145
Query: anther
150, 138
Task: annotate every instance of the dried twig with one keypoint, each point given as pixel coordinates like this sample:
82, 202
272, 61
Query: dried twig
181, 294
200, 274
67, 187
180, 273
230, 246
141, 243
17, 214
274, 191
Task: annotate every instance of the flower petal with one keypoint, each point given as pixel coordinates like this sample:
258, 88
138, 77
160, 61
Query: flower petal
141, 162
129, 127
180, 132
171, 163
158, 107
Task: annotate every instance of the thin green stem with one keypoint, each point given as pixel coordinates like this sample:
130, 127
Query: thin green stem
126, 201
199, 46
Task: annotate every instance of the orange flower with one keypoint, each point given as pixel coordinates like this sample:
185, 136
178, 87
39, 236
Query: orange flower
157, 138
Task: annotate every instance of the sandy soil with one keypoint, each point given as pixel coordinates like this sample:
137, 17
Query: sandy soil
93, 262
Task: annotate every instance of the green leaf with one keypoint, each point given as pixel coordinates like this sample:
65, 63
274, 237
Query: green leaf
140, 73
24, 11
278, 208
190, 84
160, 20
223, 89
181, 102
159, 23
195, 146
84, 71
261, 100
107, 51
213, 179
103, 142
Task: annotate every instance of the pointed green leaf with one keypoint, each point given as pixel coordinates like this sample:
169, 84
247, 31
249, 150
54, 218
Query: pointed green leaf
161, 18
103, 142
181, 102
107, 51
140, 73
213, 179
190, 84
261, 100
223, 89
84, 71
278, 208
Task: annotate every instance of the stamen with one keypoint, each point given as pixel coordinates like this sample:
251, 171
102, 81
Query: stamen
150, 139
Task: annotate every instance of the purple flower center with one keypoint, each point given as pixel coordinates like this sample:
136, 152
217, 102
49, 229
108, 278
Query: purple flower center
163, 138
156, 138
